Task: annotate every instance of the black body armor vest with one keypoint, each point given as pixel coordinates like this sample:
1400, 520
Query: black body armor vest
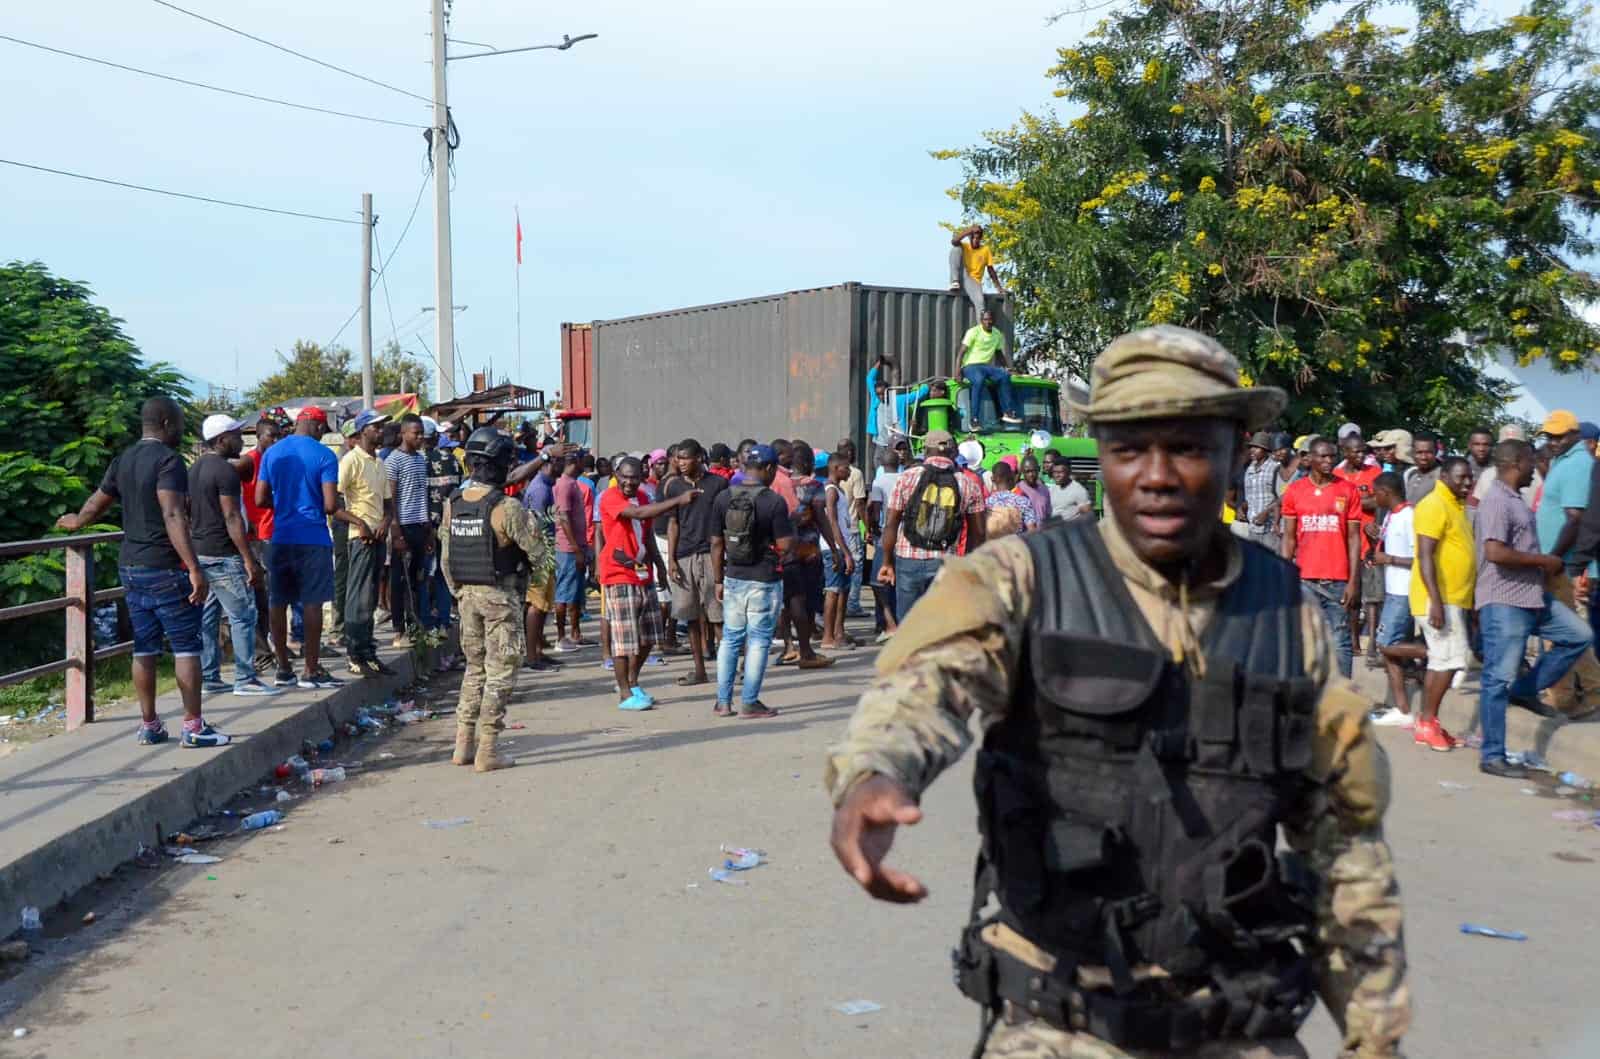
1129, 811
476, 555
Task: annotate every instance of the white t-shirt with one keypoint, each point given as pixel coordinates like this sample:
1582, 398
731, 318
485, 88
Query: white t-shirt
1068, 500
882, 490
1400, 541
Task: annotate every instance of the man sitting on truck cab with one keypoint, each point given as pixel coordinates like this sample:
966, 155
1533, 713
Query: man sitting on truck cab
980, 363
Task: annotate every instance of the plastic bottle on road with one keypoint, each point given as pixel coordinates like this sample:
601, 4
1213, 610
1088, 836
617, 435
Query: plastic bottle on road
1572, 779
32, 922
317, 777
256, 821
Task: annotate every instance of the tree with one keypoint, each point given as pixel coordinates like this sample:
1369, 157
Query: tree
311, 371
1358, 212
73, 387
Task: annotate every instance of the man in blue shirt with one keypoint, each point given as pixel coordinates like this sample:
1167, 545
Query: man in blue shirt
1561, 507
299, 480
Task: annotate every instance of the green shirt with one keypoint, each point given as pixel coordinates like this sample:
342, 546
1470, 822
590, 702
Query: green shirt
981, 345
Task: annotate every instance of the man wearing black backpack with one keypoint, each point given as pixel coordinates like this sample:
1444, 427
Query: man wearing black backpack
751, 537
927, 510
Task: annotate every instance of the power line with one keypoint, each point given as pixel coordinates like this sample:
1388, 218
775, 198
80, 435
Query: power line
180, 194
383, 267
211, 88
290, 51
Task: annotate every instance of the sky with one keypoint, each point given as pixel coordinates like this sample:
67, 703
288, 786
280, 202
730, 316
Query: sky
693, 153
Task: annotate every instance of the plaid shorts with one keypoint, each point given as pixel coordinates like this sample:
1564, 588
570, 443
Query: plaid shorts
634, 617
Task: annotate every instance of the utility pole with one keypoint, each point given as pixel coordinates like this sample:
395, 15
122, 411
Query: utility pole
366, 299
444, 320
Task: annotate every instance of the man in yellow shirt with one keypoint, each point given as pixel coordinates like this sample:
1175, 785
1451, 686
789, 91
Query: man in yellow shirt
1442, 581
368, 508
969, 260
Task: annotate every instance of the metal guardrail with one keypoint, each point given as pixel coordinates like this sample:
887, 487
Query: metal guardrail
79, 603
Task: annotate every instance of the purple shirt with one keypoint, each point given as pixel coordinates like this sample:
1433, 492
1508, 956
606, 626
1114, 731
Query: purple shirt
1039, 497
1504, 517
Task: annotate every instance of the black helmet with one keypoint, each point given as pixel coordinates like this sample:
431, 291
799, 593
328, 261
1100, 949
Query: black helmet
489, 449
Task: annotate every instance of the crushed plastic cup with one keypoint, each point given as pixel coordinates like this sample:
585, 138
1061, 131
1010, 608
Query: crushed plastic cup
284, 796
1452, 785
1490, 932
199, 858
857, 1007
722, 875
744, 861
445, 825
31, 920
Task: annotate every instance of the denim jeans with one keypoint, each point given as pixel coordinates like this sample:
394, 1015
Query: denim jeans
978, 377
749, 617
436, 598
911, 579
882, 594
1505, 640
230, 594
860, 555
1329, 596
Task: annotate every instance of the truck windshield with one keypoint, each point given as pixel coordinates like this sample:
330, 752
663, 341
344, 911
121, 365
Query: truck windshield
1041, 410
576, 432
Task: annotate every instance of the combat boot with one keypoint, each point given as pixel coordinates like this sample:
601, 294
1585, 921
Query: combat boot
489, 758
466, 743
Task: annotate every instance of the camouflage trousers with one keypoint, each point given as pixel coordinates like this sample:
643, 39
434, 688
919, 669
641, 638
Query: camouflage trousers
1040, 1040
492, 643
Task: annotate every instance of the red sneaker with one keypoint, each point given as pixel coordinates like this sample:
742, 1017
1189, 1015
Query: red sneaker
1431, 734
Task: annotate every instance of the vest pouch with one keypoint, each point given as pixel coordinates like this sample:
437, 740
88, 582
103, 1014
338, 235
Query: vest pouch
1258, 723
1297, 724
1097, 685
1076, 845
1012, 822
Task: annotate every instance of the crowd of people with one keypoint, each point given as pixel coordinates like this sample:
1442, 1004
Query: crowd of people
1430, 558
1440, 559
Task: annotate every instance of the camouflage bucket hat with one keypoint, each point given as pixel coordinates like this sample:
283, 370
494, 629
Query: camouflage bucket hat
1172, 372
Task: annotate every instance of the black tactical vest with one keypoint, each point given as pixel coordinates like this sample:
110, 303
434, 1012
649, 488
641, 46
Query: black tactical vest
476, 555
1129, 812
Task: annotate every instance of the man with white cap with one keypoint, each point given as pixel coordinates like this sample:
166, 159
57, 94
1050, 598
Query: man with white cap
222, 544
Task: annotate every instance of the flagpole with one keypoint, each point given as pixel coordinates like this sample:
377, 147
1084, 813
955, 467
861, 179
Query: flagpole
521, 381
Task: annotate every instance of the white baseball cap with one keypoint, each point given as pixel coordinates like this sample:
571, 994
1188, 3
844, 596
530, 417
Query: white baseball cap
430, 427
217, 425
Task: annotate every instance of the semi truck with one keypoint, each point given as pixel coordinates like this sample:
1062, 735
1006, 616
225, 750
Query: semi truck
795, 365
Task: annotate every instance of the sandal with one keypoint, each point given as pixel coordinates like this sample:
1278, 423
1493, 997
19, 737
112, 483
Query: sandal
689, 680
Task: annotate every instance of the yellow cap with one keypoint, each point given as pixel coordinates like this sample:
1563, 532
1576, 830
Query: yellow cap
1559, 422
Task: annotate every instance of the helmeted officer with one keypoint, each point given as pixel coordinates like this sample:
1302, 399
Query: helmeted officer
1157, 702
490, 546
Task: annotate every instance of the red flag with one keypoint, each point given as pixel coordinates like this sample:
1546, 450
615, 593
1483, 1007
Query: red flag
519, 237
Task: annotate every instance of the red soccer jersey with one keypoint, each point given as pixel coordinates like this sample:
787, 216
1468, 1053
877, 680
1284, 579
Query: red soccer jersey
622, 534
1321, 513
1362, 480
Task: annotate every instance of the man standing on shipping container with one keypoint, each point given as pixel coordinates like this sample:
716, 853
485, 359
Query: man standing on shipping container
969, 260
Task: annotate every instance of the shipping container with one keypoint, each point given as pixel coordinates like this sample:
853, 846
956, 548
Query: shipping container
577, 366
788, 365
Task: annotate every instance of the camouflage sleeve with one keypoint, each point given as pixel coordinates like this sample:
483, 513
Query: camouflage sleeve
1359, 944
955, 655
444, 550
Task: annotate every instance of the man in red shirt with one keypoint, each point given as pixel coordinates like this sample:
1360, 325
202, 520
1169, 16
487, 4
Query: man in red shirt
627, 557
259, 518
1322, 536
1355, 469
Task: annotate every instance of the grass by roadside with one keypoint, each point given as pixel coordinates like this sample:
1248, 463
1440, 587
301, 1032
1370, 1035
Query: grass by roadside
32, 709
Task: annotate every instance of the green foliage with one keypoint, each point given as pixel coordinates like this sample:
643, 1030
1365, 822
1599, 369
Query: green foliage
73, 387
1356, 211
311, 371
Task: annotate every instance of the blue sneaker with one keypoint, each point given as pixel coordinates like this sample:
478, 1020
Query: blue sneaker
640, 693
205, 738
213, 686
253, 687
634, 702
152, 736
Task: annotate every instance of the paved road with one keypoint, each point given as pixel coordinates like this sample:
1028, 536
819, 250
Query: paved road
573, 916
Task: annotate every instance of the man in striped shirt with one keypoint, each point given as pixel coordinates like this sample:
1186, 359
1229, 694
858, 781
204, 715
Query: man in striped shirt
411, 536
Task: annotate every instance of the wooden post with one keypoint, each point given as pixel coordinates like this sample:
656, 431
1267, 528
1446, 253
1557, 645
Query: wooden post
80, 635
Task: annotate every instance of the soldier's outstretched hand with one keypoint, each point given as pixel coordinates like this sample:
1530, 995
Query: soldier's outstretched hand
863, 830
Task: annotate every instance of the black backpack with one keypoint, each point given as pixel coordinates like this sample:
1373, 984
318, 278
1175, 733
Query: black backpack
932, 521
739, 534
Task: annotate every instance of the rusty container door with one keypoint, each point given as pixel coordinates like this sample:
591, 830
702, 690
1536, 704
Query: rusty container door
577, 366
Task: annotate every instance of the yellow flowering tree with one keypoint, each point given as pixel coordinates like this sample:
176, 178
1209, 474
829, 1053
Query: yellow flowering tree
1358, 211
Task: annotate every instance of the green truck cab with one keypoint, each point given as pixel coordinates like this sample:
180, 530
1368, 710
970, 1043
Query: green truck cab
1041, 421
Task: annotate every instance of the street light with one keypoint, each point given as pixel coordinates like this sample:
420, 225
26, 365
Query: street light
440, 136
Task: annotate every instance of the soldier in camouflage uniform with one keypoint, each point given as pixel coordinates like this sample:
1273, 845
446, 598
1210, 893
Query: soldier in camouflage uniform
1112, 940
490, 546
